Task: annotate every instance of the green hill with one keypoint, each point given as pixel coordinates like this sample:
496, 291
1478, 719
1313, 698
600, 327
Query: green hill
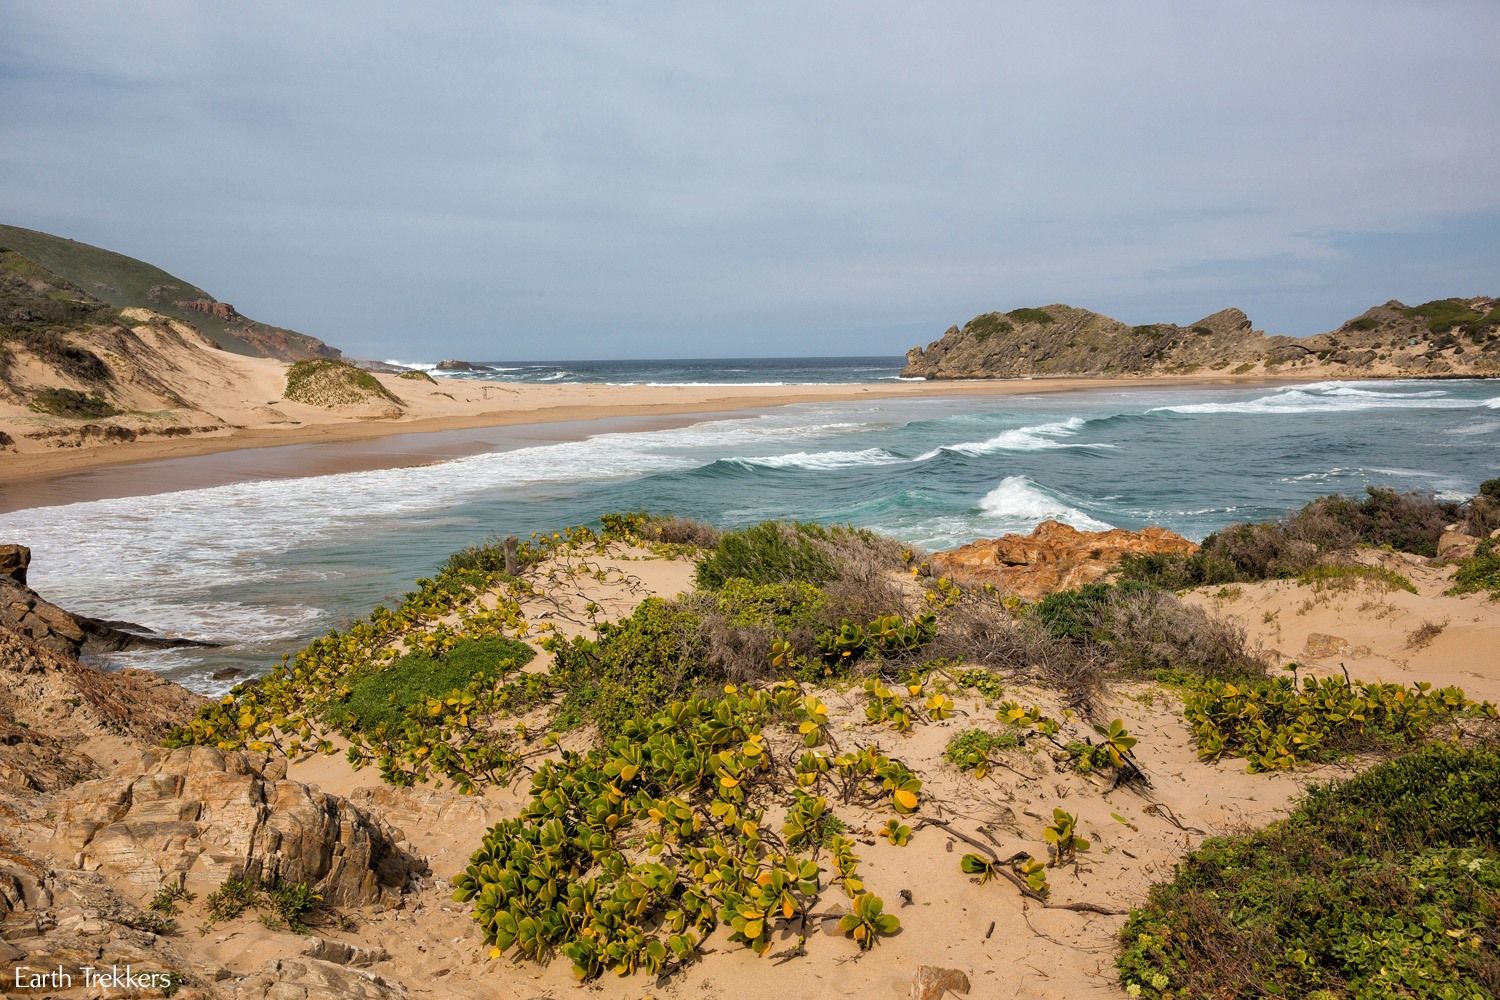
124, 282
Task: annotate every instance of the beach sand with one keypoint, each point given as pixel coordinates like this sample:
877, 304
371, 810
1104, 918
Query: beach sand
242, 399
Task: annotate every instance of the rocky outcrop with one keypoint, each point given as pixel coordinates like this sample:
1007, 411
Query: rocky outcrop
203, 815
1054, 557
312, 979
24, 611
211, 307
451, 365
53, 919
1444, 337
48, 692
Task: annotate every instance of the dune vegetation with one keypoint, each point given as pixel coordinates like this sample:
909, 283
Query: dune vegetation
689, 778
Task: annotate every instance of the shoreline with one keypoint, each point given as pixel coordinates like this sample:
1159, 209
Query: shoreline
537, 414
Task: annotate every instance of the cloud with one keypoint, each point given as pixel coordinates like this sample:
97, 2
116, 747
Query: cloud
587, 180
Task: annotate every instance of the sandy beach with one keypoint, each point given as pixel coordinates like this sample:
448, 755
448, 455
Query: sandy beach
245, 400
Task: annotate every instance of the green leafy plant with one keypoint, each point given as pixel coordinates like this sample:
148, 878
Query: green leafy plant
1387, 884
975, 750
1276, 724
626, 857
866, 922
1063, 842
234, 896
168, 896
897, 832
1479, 572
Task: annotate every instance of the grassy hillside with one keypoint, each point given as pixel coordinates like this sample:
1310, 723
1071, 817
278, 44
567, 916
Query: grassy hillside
124, 281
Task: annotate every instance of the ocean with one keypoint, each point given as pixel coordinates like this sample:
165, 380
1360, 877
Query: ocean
262, 566
684, 371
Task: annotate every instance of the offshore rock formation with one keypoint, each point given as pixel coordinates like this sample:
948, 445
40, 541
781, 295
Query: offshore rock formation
1447, 337
1054, 557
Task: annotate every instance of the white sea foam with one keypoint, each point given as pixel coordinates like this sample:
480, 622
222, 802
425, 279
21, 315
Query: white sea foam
1021, 502
1481, 427
1038, 437
163, 560
1333, 397
822, 459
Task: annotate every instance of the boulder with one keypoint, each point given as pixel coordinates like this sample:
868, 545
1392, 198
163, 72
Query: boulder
933, 983
1055, 556
14, 559
343, 953
1455, 544
203, 815
312, 979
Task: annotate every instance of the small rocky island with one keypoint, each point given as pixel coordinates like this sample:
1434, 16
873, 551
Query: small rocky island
1442, 338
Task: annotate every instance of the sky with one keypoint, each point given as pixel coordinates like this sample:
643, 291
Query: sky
576, 180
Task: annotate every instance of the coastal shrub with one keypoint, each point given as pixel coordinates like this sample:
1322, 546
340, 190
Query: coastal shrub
1278, 724
55, 349
627, 857
1072, 615
769, 552
321, 382
1327, 527
1482, 513
1031, 316
656, 655
759, 631
1479, 572
680, 531
1443, 315
981, 628
416, 375
976, 749
1383, 885
1147, 632
780, 552
1363, 323
984, 327
72, 403
382, 696
1343, 574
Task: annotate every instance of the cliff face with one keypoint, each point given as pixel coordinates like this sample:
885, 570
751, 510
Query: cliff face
112, 279
1445, 337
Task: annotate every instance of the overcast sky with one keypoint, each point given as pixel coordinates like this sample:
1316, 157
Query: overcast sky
665, 180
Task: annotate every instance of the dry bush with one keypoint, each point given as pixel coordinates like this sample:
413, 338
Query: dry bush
979, 629
1147, 631
681, 531
1422, 636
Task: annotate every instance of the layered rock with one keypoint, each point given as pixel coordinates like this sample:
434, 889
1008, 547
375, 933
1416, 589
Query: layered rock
1055, 556
1444, 337
204, 815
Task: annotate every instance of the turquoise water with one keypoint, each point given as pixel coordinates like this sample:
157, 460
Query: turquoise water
264, 565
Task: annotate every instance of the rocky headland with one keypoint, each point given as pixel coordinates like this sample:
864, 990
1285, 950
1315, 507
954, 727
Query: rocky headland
1443, 338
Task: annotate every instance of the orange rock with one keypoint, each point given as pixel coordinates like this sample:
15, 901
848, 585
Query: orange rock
1054, 557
